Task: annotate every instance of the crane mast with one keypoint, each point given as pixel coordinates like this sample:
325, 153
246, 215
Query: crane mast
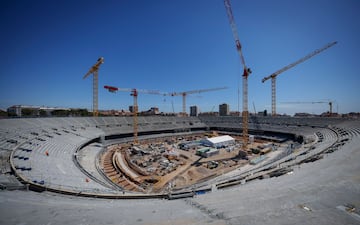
246, 73
135, 111
275, 74
95, 71
133, 92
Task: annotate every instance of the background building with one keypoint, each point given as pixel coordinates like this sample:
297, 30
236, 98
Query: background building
33, 111
151, 111
23, 110
131, 108
194, 110
224, 109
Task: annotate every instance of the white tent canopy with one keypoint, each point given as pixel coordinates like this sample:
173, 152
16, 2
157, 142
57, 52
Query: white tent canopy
219, 141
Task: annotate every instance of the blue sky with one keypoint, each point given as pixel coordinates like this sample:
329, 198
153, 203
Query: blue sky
46, 47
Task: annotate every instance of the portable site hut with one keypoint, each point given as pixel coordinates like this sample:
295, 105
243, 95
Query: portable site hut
211, 152
207, 152
218, 142
202, 151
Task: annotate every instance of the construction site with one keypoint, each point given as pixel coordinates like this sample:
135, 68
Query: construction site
177, 162
217, 167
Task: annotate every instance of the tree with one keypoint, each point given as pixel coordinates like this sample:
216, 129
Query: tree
60, 112
3, 113
42, 113
79, 112
28, 112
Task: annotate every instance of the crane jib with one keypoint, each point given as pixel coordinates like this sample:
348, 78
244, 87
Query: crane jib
317, 51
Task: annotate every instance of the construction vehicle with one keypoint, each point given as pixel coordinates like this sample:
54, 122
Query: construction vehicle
133, 92
185, 93
246, 73
95, 71
211, 134
275, 74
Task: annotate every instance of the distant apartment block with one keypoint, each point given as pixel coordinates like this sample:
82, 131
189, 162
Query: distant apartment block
194, 110
224, 109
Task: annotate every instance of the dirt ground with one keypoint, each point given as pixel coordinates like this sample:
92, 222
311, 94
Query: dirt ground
192, 168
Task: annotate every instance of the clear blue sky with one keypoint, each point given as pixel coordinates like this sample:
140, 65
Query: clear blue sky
46, 47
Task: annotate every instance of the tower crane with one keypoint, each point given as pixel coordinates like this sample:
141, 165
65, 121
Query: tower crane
94, 70
185, 93
246, 73
275, 74
133, 92
319, 102
254, 109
